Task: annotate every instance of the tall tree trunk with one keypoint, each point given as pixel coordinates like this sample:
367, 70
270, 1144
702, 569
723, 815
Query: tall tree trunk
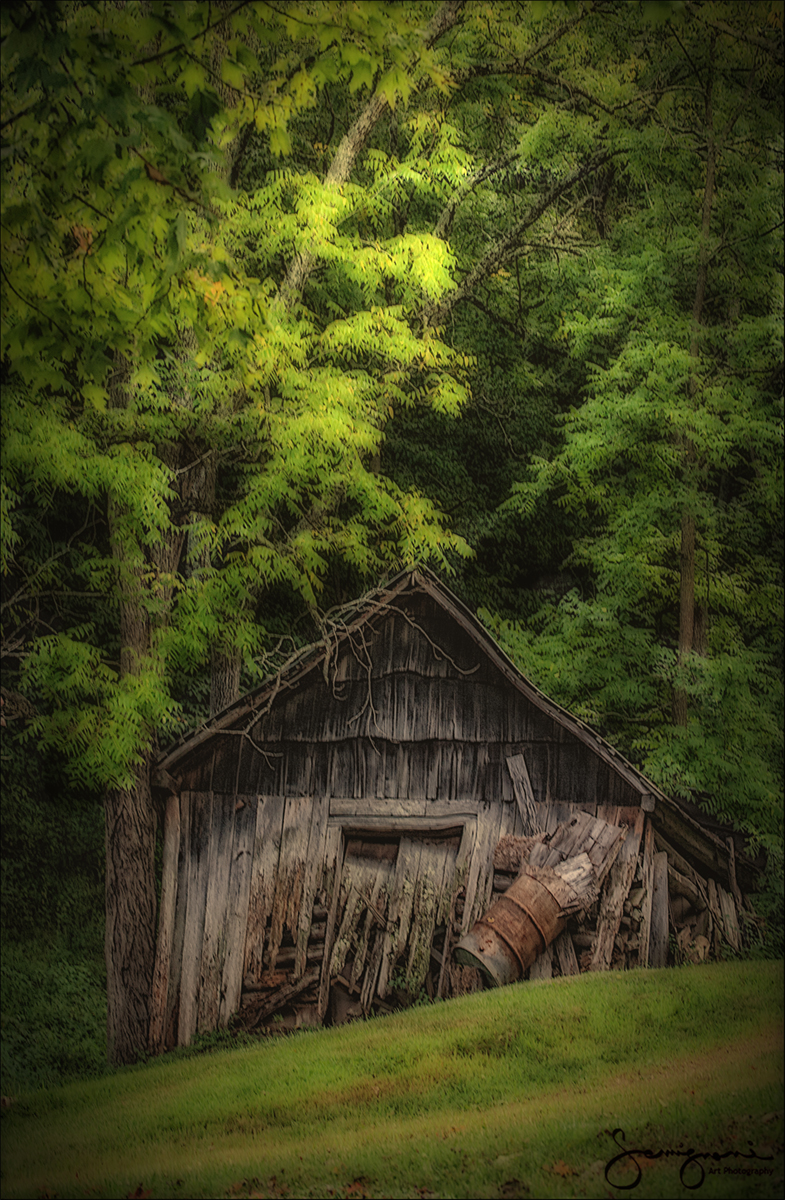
687, 630
130, 815
129, 939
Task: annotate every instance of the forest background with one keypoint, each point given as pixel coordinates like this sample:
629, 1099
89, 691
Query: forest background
297, 294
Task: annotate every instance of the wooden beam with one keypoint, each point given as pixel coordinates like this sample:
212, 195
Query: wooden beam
682, 885
614, 895
542, 967
703, 847
647, 881
394, 826
677, 861
565, 954
284, 995
374, 807
162, 779
734, 887
524, 793
730, 921
658, 945
331, 881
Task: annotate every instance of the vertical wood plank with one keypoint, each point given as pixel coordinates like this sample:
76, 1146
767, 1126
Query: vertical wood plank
198, 875
730, 920
331, 884
390, 939
524, 794
372, 971
614, 893
320, 812
237, 907
460, 872
498, 819
163, 949
266, 849
479, 885
183, 860
427, 885
433, 905
716, 915
647, 883
291, 869
432, 775
214, 938
375, 888
542, 967
405, 883
565, 954
658, 944
546, 818
473, 870
509, 820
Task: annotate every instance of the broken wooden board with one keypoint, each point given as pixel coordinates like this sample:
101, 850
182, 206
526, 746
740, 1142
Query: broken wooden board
582, 833
658, 942
614, 895
565, 954
524, 793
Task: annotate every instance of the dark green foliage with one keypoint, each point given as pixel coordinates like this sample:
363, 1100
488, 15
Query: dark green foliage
53, 1014
768, 940
666, 325
53, 974
52, 850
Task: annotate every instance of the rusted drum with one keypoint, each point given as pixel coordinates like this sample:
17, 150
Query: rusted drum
514, 931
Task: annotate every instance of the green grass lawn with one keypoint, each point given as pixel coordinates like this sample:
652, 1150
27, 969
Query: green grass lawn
514, 1092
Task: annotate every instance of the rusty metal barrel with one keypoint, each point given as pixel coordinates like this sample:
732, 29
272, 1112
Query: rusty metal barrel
514, 931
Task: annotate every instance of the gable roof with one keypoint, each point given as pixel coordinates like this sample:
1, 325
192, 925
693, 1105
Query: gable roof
678, 825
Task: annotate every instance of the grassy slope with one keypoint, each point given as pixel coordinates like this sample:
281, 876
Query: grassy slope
506, 1093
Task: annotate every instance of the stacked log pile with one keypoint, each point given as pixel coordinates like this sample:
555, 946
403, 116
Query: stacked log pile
557, 875
653, 907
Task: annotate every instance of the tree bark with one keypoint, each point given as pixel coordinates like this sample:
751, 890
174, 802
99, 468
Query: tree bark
129, 812
224, 679
129, 816
129, 941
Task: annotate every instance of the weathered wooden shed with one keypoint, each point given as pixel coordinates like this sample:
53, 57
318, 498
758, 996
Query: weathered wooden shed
330, 837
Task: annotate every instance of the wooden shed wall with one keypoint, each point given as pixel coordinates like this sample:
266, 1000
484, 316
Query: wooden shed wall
412, 708
404, 730
345, 829
263, 899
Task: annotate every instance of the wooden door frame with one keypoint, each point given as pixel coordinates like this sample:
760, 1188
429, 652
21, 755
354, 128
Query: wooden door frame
344, 827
